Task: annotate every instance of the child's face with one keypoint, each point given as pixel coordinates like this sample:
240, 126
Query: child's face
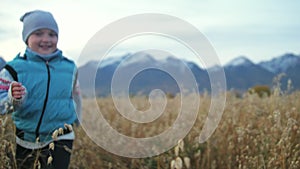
43, 41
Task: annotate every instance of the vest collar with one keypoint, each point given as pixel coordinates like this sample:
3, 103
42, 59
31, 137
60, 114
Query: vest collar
31, 55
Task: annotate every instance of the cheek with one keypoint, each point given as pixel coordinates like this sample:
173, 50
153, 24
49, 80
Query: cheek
31, 41
54, 41
30, 44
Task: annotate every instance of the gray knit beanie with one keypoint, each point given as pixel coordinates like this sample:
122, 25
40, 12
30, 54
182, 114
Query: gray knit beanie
35, 20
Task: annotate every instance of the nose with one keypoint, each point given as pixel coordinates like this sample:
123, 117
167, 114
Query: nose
46, 38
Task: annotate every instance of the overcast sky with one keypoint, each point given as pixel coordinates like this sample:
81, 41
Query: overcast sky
259, 30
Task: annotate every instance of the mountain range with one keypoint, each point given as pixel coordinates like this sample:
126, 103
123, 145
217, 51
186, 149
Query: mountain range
241, 73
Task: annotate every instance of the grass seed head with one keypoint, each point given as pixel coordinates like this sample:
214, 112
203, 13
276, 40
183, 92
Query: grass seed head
51, 146
172, 165
37, 139
69, 127
187, 162
178, 163
176, 150
50, 159
181, 144
60, 131
55, 134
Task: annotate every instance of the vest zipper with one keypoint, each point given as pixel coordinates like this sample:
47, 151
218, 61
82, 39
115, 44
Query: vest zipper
45, 103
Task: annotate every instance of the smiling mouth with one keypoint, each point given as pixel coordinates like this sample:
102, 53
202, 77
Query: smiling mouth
45, 46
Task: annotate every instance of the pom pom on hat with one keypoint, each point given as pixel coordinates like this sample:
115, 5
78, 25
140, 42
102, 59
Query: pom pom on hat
35, 20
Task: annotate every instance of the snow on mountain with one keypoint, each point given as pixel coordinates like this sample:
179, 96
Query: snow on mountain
112, 60
241, 73
140, 57
215, 68
240, 61
92, 64
172, 62
278, 64
282, 63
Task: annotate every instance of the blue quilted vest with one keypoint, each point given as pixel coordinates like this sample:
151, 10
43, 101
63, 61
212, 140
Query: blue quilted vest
49, 103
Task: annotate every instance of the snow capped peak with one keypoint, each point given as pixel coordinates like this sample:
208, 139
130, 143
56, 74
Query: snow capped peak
92, 64
240, 61
173, 60
282, 63
275, 65
111, 60
215, 68
139, 57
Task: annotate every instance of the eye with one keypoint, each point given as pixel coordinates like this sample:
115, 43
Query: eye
38, 33
52, 34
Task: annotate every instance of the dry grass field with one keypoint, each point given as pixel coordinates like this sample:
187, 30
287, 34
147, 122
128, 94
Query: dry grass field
254, 132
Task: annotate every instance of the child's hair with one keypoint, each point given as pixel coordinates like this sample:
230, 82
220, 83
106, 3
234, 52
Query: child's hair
35, 20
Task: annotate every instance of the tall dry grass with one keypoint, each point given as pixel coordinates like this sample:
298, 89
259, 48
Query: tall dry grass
254, 132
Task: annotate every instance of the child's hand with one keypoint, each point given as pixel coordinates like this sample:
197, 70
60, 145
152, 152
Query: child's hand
17, 90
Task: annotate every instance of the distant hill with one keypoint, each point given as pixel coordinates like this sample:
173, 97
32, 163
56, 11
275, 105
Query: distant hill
241, 73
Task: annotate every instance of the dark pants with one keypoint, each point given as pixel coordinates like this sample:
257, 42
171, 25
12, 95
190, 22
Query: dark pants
27, 158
